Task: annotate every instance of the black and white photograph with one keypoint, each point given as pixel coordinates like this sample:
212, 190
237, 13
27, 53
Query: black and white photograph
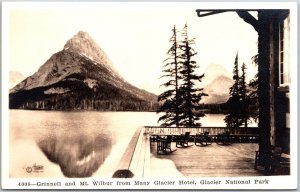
162, 95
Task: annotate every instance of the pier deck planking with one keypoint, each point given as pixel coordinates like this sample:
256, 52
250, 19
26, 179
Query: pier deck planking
213, 160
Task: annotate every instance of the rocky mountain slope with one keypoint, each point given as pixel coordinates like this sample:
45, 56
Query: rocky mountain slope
80, 76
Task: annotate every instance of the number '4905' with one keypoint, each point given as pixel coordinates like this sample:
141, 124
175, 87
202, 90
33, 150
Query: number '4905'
24, 184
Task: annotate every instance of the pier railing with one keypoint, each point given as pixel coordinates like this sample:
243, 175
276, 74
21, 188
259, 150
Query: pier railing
158, 130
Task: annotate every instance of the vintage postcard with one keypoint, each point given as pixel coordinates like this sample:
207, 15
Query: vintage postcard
168, 95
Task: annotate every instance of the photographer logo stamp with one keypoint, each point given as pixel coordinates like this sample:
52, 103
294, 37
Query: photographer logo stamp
35, 168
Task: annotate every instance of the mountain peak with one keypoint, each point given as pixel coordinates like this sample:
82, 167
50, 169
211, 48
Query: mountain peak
213, 71
83, 44
80, 41
80, 38
83, 34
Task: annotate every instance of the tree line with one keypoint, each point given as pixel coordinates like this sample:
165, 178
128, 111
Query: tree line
80, 98
242, 104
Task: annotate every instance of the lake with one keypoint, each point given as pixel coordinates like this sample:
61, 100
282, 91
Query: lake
75, 144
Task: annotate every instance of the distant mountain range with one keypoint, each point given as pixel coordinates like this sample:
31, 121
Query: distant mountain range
80, 76
218, 82
218, 90
15, 78
213, 71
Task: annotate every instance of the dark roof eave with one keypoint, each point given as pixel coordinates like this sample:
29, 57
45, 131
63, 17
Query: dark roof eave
217, 11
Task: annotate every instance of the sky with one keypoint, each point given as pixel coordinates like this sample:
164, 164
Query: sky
134, 36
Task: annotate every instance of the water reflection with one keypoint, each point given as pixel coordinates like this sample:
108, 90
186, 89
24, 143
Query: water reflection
78, 155
78, 142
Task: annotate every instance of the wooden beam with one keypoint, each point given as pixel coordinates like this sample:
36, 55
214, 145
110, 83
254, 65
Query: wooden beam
263, 89
219, 11
207, 13
123, 170
248, 18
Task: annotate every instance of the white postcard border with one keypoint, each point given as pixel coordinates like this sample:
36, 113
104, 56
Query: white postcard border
273, 182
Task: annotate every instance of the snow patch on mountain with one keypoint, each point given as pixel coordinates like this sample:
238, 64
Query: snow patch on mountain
92, 83
57, 90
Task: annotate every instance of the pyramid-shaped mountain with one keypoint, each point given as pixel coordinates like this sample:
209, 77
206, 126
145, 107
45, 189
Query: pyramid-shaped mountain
218, 90
80, 76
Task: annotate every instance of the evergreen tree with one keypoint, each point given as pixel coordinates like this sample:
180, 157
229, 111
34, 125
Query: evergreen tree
189, 94
170, 99
253, 96
233, 116
244, 97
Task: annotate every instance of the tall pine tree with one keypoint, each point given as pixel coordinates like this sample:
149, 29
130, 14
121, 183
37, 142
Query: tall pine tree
170, 98
233, 116
244, 97
189, 94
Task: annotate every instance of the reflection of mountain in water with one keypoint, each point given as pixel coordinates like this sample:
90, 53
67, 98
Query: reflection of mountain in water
77, 156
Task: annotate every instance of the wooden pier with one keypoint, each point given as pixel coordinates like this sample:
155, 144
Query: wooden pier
140, 158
